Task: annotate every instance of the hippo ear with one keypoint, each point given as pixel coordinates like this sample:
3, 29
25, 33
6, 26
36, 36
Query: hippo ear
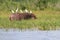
12, 11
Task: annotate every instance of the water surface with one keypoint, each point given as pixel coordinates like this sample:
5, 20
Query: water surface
29, 35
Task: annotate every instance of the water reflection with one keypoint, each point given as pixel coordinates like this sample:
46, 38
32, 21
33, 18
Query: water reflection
16, 34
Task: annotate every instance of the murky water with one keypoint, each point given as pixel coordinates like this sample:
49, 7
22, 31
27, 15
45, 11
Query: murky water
29, 35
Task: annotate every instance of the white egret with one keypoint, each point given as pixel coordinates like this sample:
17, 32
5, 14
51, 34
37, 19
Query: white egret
17, 10
30, 11
12, 11
21, 11
26, 11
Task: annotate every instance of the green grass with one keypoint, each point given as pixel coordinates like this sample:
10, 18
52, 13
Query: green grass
46, 20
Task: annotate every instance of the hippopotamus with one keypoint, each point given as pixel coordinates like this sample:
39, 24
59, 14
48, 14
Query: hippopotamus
20, 16
14, 16
29, 16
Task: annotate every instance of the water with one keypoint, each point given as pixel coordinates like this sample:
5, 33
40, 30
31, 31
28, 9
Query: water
29, 35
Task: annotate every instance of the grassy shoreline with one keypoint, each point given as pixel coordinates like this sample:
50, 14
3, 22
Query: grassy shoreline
46, 20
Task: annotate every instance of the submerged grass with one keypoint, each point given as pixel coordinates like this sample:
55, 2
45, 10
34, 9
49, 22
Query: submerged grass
46, 20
